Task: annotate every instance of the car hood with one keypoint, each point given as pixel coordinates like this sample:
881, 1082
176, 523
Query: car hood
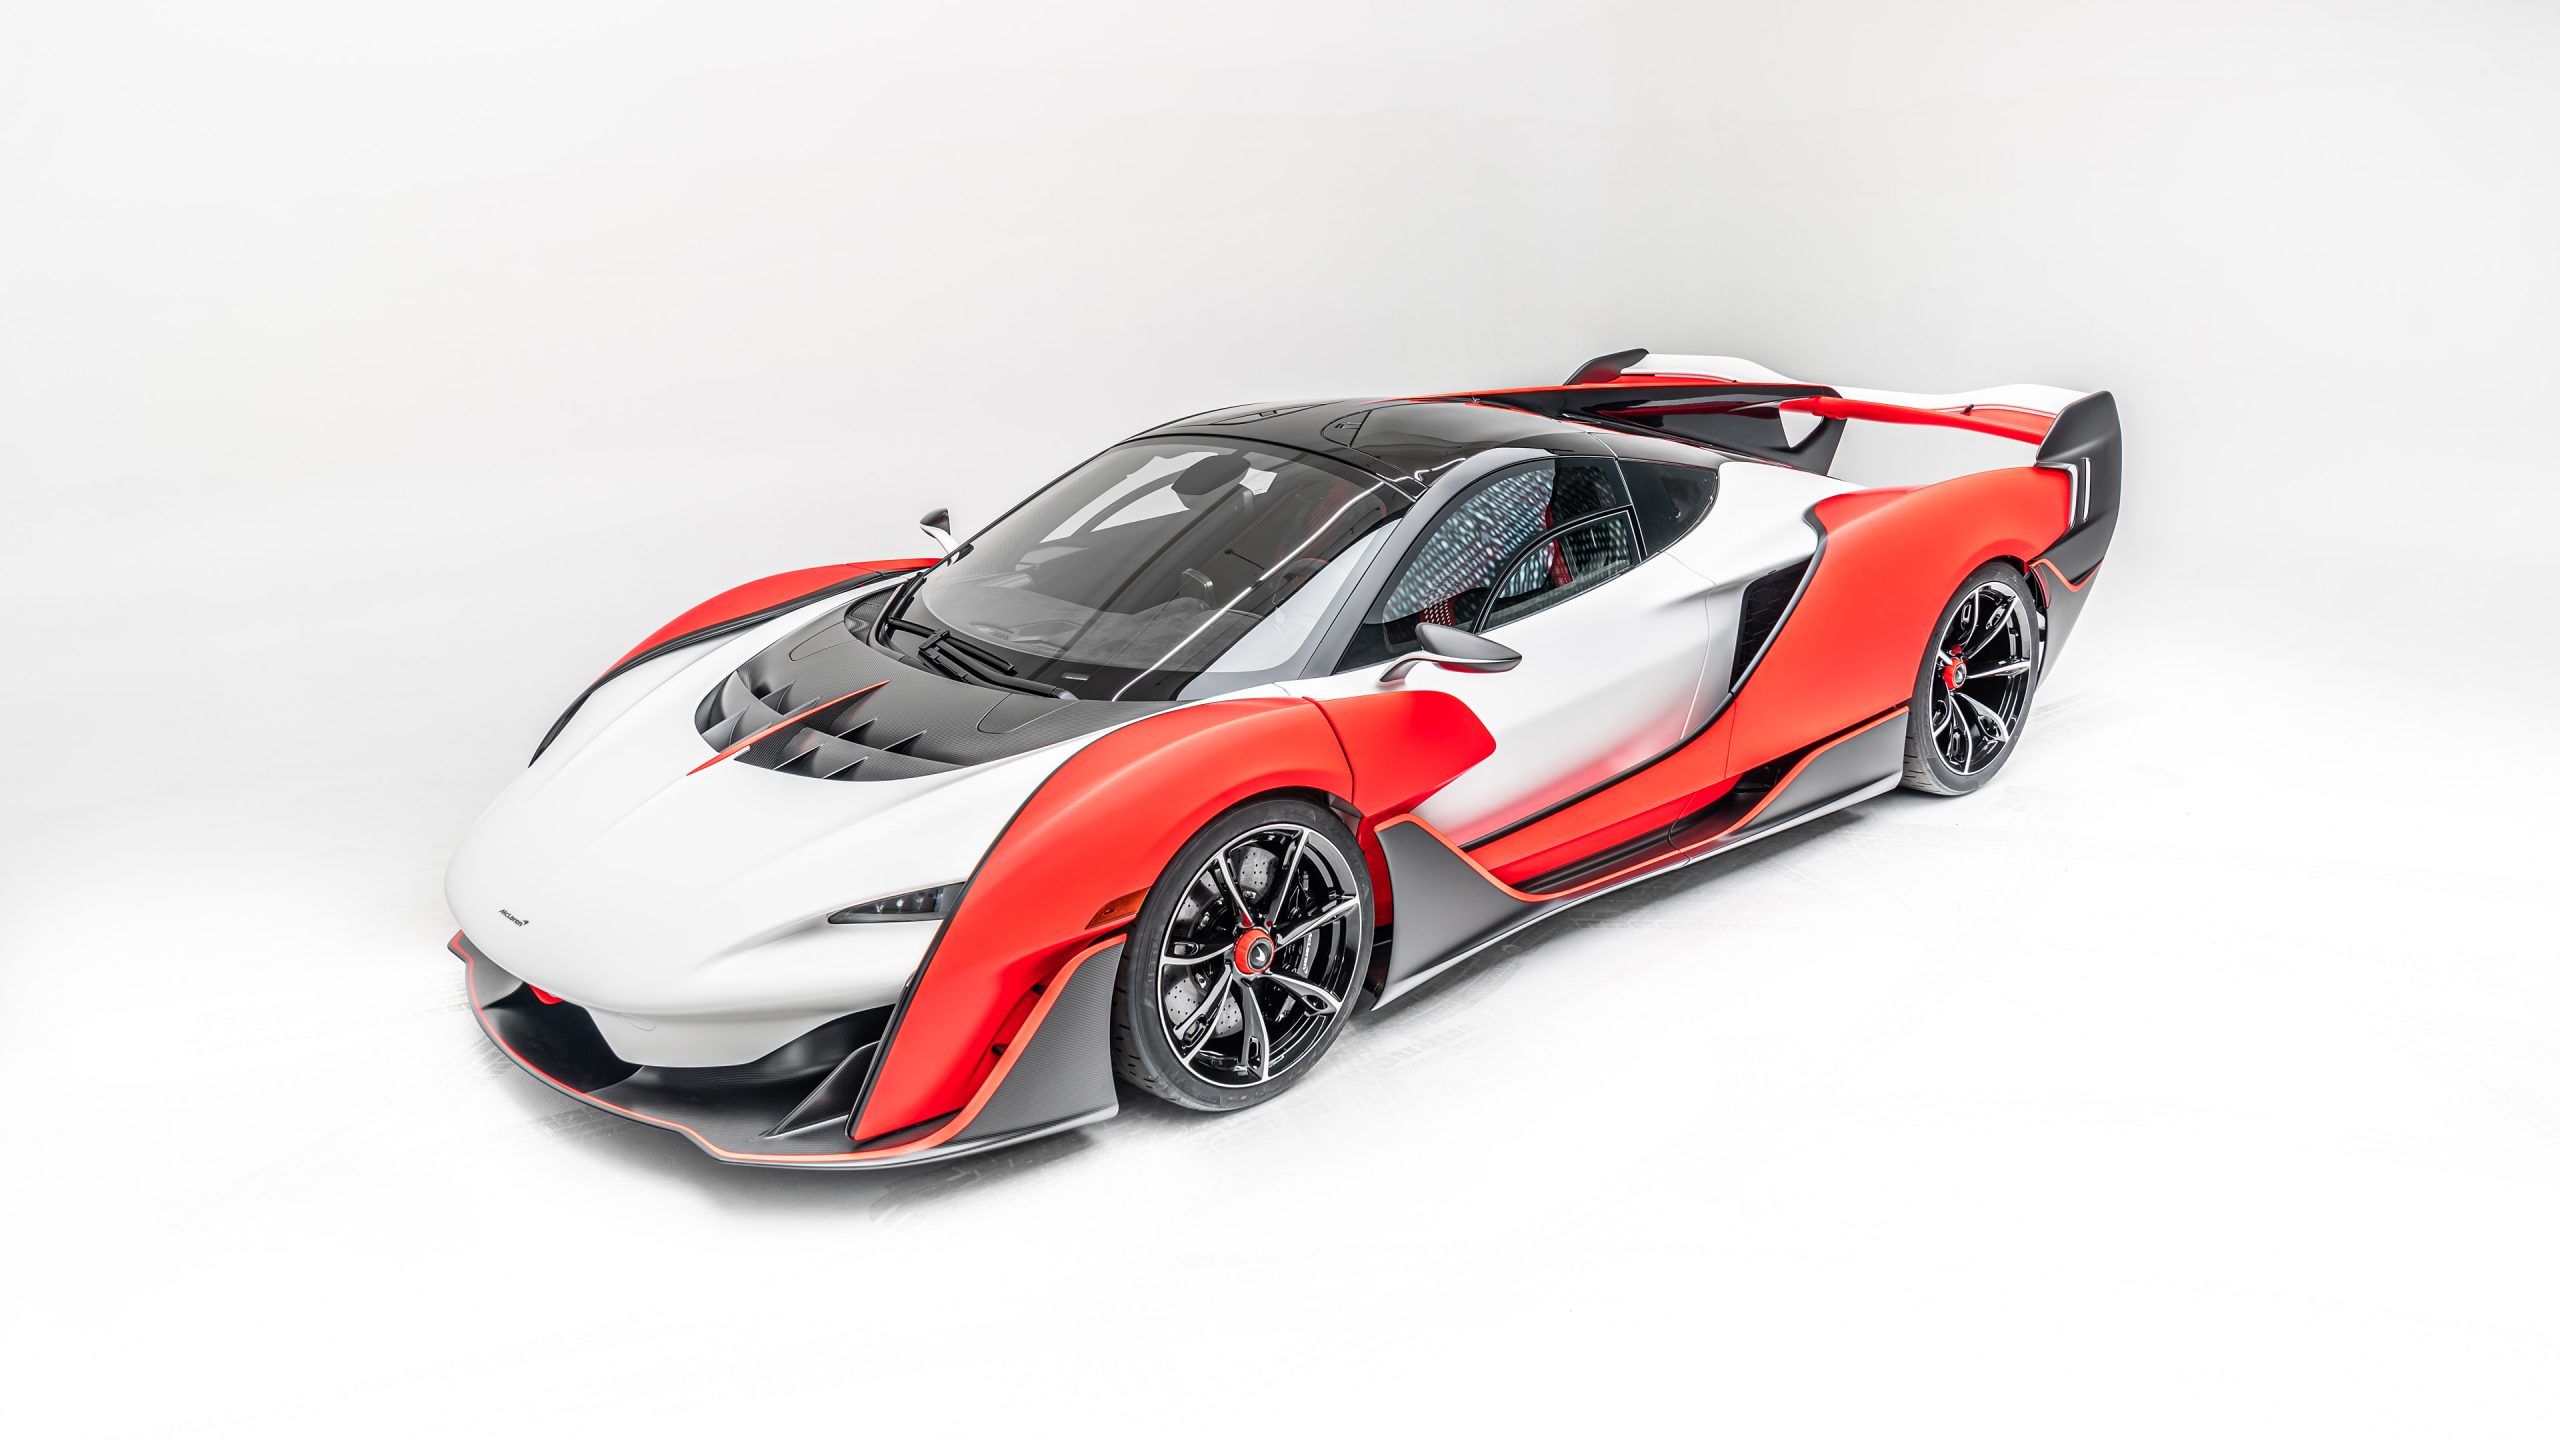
625, 873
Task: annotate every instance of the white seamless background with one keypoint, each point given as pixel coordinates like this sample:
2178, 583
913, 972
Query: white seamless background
371, 376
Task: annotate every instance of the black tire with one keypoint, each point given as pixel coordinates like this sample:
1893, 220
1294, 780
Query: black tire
1967, 716
1161, 999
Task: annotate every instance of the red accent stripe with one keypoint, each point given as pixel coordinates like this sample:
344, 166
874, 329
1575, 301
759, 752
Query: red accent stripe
2065, 580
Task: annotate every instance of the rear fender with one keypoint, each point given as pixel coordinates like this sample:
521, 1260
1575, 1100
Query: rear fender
1852, 646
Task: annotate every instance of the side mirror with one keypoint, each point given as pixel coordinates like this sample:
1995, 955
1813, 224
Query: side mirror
937, 523
1452, 649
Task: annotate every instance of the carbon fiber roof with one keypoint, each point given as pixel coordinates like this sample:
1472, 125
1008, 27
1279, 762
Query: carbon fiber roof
1412, 442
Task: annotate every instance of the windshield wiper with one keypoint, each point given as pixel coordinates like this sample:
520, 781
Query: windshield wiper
935, 635
965, 659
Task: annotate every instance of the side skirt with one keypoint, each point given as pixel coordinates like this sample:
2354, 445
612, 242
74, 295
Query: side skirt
1449, 908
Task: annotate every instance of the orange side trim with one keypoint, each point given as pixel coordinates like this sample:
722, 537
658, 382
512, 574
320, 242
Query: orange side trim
2064, 580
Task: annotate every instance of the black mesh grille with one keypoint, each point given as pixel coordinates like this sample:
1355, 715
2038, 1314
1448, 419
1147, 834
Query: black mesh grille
1764, 603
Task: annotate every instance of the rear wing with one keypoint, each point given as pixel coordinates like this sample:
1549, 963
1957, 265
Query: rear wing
2074, 431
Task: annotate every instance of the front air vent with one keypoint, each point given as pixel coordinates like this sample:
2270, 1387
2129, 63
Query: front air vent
1764, 604
838, 739
829, 701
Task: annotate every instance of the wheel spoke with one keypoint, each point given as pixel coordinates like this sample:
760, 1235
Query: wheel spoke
1209, 1005
1994, 672
1257, 1035
1987, 626
1319, 920
1991, 721
1235, 892
1324, 1001
1172, 959
1288, 877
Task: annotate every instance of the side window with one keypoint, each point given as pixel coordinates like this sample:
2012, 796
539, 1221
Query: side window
1475, 556
1670, 499
1563, 564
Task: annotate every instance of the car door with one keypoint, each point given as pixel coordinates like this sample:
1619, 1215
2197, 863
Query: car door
1549, 558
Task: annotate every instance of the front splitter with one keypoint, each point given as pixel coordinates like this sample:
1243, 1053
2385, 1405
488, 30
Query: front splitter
1056, 1076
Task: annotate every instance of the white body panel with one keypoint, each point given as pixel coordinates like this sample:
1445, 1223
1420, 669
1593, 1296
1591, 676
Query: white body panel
1606, 679
687, 907
1614, 677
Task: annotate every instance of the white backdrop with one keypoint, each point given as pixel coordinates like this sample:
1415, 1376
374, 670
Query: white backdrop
369, 380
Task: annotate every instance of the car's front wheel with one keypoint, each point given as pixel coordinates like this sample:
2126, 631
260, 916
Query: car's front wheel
1245, 959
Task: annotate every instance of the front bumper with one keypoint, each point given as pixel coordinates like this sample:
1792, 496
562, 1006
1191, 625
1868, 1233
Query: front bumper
795, 1107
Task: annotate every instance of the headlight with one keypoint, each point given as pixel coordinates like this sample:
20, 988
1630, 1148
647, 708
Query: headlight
932, 904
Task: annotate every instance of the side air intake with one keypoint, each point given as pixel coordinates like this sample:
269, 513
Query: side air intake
1765, 602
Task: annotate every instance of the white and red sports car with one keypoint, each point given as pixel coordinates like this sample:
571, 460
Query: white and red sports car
1257, 715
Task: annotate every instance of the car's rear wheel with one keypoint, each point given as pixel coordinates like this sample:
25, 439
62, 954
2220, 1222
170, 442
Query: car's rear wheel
1245, 959
1975, 683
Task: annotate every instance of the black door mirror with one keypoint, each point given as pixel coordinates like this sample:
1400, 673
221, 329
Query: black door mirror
1451, 649
937, 523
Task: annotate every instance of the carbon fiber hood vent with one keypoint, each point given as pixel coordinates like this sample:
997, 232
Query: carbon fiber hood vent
821, 702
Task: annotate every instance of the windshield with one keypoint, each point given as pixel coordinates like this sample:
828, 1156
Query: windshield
1164, 569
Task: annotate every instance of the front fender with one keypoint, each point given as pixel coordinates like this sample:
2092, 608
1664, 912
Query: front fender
1075, 863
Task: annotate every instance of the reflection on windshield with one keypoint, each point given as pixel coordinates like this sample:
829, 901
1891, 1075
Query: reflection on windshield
1165, 569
